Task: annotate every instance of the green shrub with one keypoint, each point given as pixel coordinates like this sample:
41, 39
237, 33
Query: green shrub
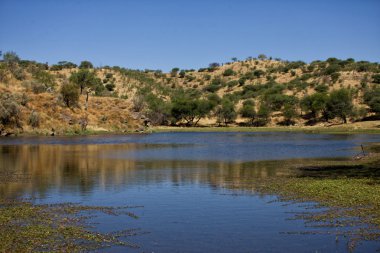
9, 110
321, 88
229, 72
34, 119
70, 94
376, 78
110, 86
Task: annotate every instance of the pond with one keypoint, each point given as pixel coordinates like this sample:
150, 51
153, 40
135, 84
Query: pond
181, 185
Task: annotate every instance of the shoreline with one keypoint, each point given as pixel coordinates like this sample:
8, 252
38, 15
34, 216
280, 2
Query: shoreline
328, 130
206, 129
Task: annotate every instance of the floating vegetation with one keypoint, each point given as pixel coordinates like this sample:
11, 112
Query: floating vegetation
26, 227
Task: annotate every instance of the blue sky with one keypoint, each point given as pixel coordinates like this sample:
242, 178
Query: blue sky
162, 34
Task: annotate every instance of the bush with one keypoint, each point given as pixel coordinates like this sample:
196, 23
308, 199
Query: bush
229, 72
376, 78
34, 119
110, 86
9, 110
70, 94
332, 69
321, 88
335, 77
37, 87
44, 78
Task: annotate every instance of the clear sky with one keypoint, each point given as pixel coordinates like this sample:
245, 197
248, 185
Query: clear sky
161, 34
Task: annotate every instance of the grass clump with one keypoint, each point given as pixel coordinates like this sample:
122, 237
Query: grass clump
25, 227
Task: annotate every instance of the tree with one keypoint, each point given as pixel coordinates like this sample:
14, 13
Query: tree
372, 99
84, 78
248, 110
234, 59
189, 107
182, 74
226, 112
158, 110
289, 112
214, 65
70, 94
174, 72
262, 57
86, 65
263, 114
340, 104
314, 104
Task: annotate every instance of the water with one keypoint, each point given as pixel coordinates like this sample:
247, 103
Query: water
183, 181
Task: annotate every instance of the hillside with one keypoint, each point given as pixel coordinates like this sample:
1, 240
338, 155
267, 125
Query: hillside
42, 99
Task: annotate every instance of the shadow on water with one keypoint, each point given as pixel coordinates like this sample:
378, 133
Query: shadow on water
371, 170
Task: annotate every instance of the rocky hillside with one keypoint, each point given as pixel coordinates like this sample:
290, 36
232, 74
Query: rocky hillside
66, 98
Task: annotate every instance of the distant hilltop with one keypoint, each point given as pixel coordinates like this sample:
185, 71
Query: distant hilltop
68, 99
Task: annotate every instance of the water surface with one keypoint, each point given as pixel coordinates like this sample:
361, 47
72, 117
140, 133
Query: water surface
183, 181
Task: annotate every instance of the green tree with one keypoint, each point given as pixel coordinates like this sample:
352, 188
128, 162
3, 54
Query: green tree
174, 72
289, 112
226, 113
189, 107
262, 57
158, 110
86, 65
70, 94
372, 99
340, 104
182, 74
263, 115
84, 78
314, 104
248, 111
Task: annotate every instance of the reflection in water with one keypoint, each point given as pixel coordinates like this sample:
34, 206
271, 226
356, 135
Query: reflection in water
81, 168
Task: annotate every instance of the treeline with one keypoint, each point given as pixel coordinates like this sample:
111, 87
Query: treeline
189, 106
